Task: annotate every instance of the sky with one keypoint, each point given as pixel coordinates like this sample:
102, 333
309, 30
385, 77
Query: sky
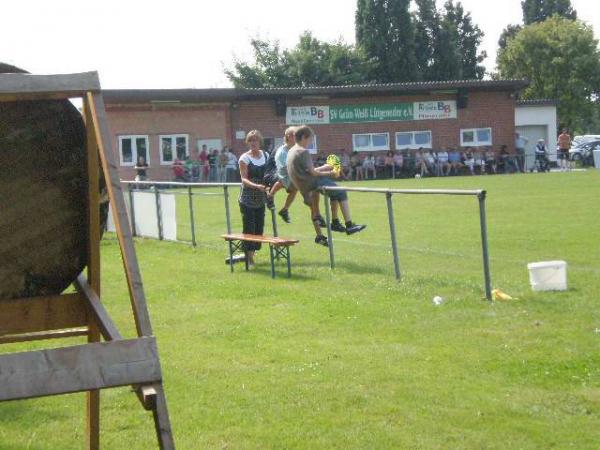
186, 43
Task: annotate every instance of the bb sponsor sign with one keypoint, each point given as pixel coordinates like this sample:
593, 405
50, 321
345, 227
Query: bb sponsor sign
439, 110
307, 115
376, 112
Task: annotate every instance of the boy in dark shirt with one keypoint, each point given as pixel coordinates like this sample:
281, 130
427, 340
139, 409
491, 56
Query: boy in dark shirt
309, 179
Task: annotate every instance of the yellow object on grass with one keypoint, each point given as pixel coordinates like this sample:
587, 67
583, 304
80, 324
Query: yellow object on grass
498, 295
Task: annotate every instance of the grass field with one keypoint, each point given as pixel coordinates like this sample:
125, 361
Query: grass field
351, 358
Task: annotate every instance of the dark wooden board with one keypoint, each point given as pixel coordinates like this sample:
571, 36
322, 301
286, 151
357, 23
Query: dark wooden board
43, 196
78, 368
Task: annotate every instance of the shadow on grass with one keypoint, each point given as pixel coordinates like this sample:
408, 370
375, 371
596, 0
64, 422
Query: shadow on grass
264, 271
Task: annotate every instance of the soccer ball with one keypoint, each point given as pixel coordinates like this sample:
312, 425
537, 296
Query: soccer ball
417, 176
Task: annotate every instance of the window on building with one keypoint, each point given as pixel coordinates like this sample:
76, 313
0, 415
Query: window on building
413, 140
172, 147
132, 147
475, 137
313, 148
370, 142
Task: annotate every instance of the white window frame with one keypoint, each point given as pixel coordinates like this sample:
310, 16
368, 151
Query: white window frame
173, 138
134, 155
370, 147
476, 142
314, 148
413, 145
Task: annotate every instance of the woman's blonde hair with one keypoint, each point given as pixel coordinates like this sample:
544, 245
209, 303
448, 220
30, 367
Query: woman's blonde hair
254, 134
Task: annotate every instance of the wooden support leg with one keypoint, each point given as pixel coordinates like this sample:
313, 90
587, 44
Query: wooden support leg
93, 401
289, 261
162, 423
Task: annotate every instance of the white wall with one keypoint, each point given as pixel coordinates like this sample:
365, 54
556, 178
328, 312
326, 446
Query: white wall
146, 223
539, 115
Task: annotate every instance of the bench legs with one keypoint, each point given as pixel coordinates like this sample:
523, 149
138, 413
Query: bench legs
275, 253
280, 252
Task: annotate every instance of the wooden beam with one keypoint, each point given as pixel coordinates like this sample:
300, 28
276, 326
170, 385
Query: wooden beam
103, 320
121, 221
20, 86
147, 396
80, 368
30, 315
162, 423
41, 335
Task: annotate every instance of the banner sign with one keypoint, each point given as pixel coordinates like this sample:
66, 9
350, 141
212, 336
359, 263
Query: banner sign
305, 115
435, 110
390, 112
377, 112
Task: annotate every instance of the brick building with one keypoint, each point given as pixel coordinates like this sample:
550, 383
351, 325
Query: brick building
161, 124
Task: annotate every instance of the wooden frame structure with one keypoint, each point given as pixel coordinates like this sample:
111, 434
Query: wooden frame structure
96, 365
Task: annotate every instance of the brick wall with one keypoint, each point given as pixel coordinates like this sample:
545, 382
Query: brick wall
198, 122
222, 120
485, 109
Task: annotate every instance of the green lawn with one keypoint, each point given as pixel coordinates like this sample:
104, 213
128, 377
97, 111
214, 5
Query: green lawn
351, 358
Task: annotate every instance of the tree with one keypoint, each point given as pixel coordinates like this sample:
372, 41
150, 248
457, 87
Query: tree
316, 63
561, 59
535, 11
507, 34
424, 45
310, 63
469, 40
456, 53
427, 25
385, 32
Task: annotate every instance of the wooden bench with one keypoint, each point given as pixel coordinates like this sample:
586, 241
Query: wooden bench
278, 248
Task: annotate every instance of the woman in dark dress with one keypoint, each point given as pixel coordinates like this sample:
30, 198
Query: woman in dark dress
253, 193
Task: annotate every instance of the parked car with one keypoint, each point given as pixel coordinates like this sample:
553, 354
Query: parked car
585, 152
584, 139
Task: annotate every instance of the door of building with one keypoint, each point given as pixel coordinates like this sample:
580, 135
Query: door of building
533, 133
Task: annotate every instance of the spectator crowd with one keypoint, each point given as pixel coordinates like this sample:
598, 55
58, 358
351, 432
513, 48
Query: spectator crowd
220, 166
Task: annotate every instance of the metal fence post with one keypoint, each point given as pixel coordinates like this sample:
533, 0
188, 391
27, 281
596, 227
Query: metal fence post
192, 223
484, 245
390, 208
132, 209
158, 213
227, 213
274, 221
329, 234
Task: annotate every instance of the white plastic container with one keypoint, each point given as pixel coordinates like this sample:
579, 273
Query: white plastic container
597, 159
548, 276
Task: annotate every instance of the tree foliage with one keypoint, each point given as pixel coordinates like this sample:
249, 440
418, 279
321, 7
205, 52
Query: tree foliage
385, 31
535, 11
423, 45
561, 59
394, 44
310, 63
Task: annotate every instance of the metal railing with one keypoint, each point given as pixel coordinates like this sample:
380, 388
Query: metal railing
480, 194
